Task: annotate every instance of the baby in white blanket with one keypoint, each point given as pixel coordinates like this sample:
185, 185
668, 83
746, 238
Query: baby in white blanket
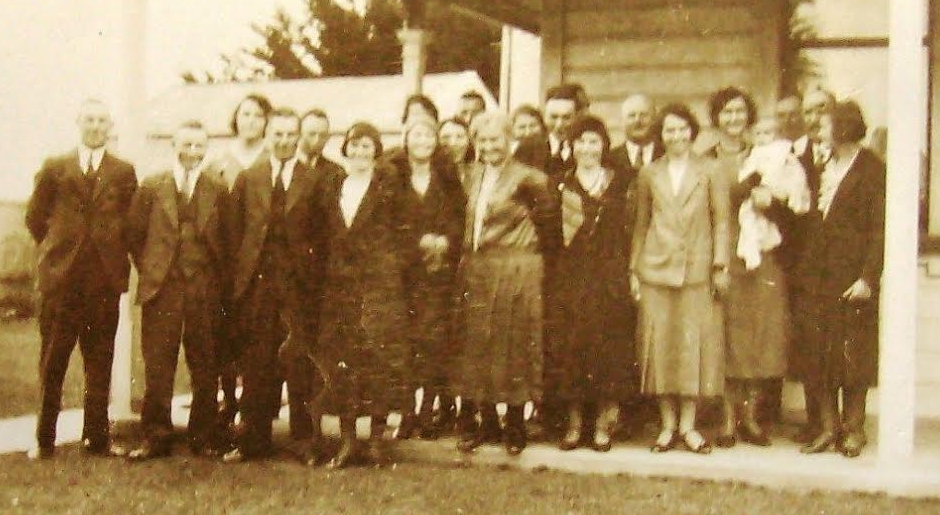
784, 177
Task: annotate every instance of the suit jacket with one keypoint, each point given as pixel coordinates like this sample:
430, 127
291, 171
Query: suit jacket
64, 213
619, 158
323, 167
679, 238
153, 233
249, 219
849, 243
519, 213
536, 152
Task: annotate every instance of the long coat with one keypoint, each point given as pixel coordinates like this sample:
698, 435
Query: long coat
500, 280
837, 342
596, 355
64, 214
441, 211
366, 336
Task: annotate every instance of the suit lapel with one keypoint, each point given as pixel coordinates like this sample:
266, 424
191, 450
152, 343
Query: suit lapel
690, 181
369, 201
851, 181
298, 185
474, 181
167, 193
264, 187
73, 174
103, 174
660, 180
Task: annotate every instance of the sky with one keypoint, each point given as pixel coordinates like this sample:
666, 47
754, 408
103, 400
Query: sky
55, 53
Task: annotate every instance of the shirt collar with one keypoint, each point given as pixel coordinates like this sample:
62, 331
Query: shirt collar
287, 174
179, 177
85, 153
799, 145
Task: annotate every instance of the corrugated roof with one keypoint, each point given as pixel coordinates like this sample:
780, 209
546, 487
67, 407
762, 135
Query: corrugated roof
377, 99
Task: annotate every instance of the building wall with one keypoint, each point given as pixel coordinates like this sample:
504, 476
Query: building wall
674, 51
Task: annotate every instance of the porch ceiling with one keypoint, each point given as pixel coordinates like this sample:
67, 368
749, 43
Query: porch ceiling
524, 14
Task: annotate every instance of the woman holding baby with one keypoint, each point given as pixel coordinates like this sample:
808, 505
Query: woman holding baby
766, 187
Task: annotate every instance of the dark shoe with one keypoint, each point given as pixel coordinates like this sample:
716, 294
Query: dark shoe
378, 452
726, 441
758, 438
103, 449
852, 444
702, 447
40, 453
602, 442
821, 443
806, 434
148, 451
408, 426
571, 440
668, 446
344, 456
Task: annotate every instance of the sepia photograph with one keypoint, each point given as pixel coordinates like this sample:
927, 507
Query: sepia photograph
470, 257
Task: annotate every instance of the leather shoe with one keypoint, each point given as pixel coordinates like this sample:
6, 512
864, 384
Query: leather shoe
806, 434
148, 451
852, 444
571, 440
658, 447
234, 456
602, 443
726, 441
103, 449
820, 444
755, 438
702, 447
343, 456
474, 440
514, 448
40, 453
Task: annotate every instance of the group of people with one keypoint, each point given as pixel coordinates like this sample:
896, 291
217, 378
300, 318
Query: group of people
489, 258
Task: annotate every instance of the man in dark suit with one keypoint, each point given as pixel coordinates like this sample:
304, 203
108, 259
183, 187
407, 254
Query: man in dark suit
304, 383
641, 146
813, 153
76, 215
277, 270
175, 231
551, 153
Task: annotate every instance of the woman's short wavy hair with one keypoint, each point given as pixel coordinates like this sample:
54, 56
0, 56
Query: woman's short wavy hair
362, 130
720, 99
848, 122
263, 103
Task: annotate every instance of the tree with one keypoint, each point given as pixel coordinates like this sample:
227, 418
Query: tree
796, 67
336, 38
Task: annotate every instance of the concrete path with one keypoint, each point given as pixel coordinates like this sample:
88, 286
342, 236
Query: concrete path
780, 466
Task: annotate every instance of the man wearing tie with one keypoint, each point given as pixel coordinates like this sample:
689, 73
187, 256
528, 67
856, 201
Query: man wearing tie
76, 216
552, 153
276, 274
176, 234
813, 153
641, 146
304, 383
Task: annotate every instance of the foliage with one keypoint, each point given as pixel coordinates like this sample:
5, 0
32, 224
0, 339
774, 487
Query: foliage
796, 67
338, 39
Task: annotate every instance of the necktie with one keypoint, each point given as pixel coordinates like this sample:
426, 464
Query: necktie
279, 195
186, 189
91, 175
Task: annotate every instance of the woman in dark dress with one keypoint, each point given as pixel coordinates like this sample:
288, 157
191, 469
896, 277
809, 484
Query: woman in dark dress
837, 282
599, 319
365, 349
434, 206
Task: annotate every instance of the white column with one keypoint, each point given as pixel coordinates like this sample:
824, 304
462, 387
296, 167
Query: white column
897, 374
413, 57
131, 140
505, 67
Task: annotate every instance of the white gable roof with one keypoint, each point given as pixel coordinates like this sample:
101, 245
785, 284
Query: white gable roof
376, 99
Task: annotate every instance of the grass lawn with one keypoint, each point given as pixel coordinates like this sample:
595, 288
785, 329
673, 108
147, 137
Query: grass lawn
71, 483
19, 371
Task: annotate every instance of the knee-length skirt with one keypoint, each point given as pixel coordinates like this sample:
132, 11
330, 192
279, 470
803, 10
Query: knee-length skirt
681, 341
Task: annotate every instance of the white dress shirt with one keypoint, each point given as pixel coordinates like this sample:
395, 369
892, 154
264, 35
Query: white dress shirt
676, 174
830, 179
487, 185
186, 182
286, 175
94, 155
559, 147
637, 152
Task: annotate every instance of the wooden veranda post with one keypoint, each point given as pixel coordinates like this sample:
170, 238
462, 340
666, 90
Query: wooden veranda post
897, 374
414, 40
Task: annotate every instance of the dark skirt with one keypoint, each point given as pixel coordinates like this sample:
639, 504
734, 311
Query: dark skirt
432, 308
836, 342
757, 320
501, 327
